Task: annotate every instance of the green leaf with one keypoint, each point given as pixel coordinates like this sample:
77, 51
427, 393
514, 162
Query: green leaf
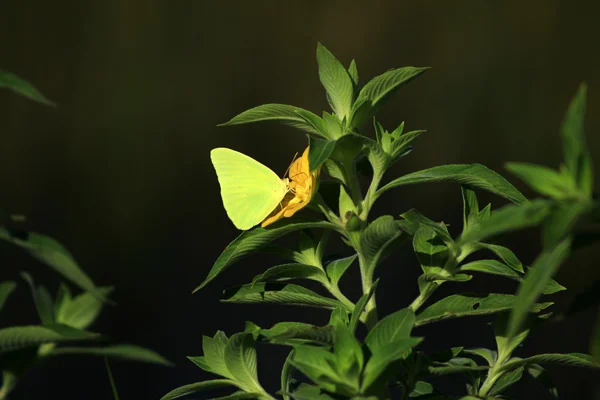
53, 254
384, 356
82, 310
337, 268
339, 316
544, 180
570, 359
41, 298
113, 386
432, 277
474, 175
507, 219
121, 351
430, 250
535, 281
504, 254
337, 82
240, 358
308, 392
360, 305
320, 150
576, 154
287, 373
6, 289
507, 380
21, 337
274, 293
345, 205
561, 220
289, 115
418, 220
470, 206
353, 72
401, 145
240, 395
543, 377
488, 355
422, 388
317, 364
21, 86
377, 91
491, 267
376, 241
390, 329
291, 271
349, 356
254, 239
214, 355
299, 333
462, 305
197, 387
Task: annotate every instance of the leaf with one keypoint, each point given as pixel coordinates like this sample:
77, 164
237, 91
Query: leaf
21, 337
432, 277
418, 220
253, 240
504, 254
6, 289
82, 310
309, 392
360, 305
392, 328
21, 86
291, 271
317, 364
491, 267
561, 220
474, 175
53, 254
507, 219
462, 305
345, 205
543, 377
337, 268
377, 91
488, 355
430, 250
576, 154
422, 388
240, 396
287, 373
336, 81
302, 334
349, 356
376, 241
122, 351
214, 355
41, 298
240, 358
570, 359
320, 150
384, 356
544, 180
470, 206
288, 294
535, 281
506, 380
197, 387
284, 113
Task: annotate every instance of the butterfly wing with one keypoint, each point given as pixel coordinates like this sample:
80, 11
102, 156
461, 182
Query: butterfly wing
250, 190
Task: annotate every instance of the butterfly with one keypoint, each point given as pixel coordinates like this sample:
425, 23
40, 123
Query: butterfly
252, 193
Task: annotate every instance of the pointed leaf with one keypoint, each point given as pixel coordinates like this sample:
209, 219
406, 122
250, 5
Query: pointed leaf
291, 271
53, 254
289, 115
360, 305
353, 72
462, 305
21, 86
254, 239
543, 377
507, 380
274, 293
337, 268
430, 250
197, 387
41, 298
570, 359
491, 267
287, 373
121, 351
21, 337
475, 175
390, 329
376, 241
83, 309
544, 180
320, 150
240, 358
6, 288
337, 82
504, 254
470, 205
535, 281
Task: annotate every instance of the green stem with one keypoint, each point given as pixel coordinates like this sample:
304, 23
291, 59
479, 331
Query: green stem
494, 373
319, 204
9, 381
371, 195
336, 292
351, 178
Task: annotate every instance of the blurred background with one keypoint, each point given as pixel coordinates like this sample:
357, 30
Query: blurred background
120, 172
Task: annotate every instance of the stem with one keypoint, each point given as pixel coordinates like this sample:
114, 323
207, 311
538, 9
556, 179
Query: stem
371, 195
9, 380
494, 373
319, 204
350, 176
336, 292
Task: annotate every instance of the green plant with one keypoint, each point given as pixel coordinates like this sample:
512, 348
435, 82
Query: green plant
334, 360
65, 318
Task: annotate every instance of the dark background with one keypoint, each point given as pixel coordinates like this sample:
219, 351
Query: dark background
120, 171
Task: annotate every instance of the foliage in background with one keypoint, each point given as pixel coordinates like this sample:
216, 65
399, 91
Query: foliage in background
64, 319
335, 360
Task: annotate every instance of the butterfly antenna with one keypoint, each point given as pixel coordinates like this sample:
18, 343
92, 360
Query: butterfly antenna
290, 166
